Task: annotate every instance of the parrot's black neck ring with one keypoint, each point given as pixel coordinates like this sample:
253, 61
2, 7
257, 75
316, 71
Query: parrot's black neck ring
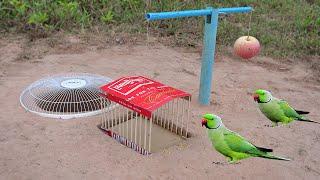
213, 128
264, 102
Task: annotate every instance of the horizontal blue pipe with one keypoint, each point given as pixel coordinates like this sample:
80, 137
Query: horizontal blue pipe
192, 13
177, 14
235, 10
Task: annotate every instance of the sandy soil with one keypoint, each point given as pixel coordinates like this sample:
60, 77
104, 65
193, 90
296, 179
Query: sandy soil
32, 147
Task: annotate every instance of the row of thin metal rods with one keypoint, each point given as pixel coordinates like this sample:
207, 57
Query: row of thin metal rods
120, 115
173, 116
65, 101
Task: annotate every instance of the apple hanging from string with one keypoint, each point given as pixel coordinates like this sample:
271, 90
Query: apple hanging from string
246, 47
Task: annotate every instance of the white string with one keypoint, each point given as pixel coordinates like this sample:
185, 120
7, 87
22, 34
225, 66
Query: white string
249, 26
145, 12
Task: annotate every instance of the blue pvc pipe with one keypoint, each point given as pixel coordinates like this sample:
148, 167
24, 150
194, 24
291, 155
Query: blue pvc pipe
209, 43
177, 14
192, 13
235, 10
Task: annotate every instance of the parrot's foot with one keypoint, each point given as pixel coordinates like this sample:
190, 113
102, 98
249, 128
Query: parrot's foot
234, 162
218, 163
273, 125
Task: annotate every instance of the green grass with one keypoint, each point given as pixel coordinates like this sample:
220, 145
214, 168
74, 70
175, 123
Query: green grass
285, 28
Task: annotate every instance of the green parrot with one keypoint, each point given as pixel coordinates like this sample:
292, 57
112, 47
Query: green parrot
278, 110
231, 144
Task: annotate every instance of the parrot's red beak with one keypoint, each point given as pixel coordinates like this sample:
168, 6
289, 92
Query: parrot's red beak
203, 122
256, 97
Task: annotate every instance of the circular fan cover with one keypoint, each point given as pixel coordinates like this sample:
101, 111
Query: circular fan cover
65, 96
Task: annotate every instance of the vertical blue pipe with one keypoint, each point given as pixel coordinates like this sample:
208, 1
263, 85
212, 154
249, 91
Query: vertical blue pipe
210, 33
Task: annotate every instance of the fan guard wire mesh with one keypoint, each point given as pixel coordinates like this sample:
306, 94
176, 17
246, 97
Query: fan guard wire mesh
66, 96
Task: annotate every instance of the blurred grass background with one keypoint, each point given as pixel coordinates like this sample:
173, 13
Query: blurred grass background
286, 28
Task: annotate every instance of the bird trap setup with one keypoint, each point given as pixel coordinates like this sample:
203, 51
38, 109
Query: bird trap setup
209, 43
145, 115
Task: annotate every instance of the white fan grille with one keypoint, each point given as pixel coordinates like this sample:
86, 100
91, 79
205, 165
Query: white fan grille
65, 96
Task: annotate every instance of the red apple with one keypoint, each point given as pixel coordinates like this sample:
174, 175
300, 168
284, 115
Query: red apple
246, 47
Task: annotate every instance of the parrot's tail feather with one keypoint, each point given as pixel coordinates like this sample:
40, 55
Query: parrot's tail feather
302, 112
276, 157
308, 120
264, 149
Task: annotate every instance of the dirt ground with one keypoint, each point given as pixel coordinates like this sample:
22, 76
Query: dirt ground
33, 147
